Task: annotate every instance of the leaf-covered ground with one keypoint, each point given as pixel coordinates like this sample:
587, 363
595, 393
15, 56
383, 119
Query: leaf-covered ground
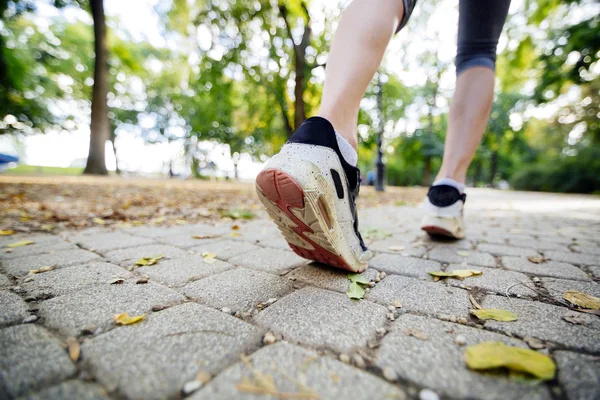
48, 203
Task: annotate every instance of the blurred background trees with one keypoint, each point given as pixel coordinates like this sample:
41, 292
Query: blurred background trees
231, 80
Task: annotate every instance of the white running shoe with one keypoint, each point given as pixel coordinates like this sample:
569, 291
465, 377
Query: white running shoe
444, 212
310, 192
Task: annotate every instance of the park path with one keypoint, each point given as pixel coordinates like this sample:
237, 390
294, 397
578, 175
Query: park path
302, 336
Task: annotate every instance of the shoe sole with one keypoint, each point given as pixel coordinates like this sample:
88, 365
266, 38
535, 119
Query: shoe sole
304, 217
438, 226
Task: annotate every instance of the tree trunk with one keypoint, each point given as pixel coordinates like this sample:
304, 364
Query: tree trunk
99, 127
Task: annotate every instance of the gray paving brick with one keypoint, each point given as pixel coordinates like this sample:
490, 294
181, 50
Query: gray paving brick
548, 268
408, 248
269, 260
587, 248
322, 318
326, 277
573, 258
12, 308
438, 362
595, 271
39, 239
543, 321
238, 289
5, 282
179, 271
276, 242
70, 390
103, 242
401, 265
449, 255
168, 349
503, 250
579, 375
21, 266
65, 280
187, 240
30, 359
420, 296
226, 249
36, 249
96, 305
152, 232
556, 287
496, 280
132, 254
328, 378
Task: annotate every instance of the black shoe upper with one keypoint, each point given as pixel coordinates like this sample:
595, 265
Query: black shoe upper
445, 195
318, 131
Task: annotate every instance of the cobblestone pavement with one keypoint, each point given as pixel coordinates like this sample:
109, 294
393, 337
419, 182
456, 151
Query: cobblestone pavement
292, 318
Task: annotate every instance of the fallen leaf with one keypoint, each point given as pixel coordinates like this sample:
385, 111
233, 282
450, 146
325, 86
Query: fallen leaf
536, 259
474, 302
235, 228
396, 248
47, 227
204, 236
457, 273
355, 292
126, 205
397, 303
334, 377
180, 221
416, 333
125, 319
7, 233
42, 269
208, 254
463, 253
576, 318
495, 314
358, 278
99, 221
73, 348
145, 261
582, 300
234, 234
492, 355
20, 243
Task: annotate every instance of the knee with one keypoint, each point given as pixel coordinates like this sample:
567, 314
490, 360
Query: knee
478, 54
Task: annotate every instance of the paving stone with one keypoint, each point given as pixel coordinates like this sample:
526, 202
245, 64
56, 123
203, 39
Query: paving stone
579, 375
502, 250
153, 232
238, 289
96, 305
401, 265
30, 359
496, 280
132, 254
420, 296
556, 287
450, 256
587, 248
573, 258
595, 271
226, 249
65, 280
21, 266
71, 390
269, 260
12, 308
187, 240
5, 282
322, 318
548, 268
408, 248
103, 242
276, 242
329, 378
179, 271
39, 239
257, 231
544, 321
168, 349
37, 248
438, 362
326, 277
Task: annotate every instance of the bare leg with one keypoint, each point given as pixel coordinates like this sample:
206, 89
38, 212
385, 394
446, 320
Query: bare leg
356, 52
469, 112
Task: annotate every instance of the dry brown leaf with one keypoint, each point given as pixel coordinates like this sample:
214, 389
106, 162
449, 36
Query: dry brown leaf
396, 248
474, 302
42, 269
73, 348
235, 228
116, 281
582, 300
576, 318
125, 319
416, 333
536, 259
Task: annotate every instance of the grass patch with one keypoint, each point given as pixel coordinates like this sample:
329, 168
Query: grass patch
41, 170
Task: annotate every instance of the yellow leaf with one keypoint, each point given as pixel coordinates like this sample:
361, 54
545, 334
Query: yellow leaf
126, 205
491, 355
463, 253
208, 254
145, 261
125, 319
396, 248
582, 300
234, 234
536, 259
47, 227
99, 221
42, 269
457, 273
180, 221
204, 236
495, 314
7, 233
21, 243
